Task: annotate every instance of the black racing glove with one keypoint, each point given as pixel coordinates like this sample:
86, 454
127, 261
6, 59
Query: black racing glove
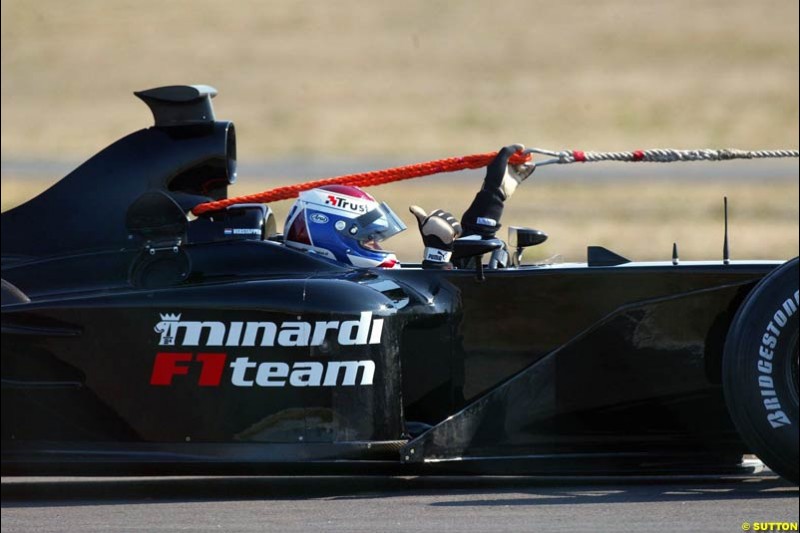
483, 215
438, 230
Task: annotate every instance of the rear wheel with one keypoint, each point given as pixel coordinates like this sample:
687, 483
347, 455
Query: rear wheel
760, 370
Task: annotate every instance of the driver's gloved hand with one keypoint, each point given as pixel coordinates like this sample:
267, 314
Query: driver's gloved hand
483, 215
438, 230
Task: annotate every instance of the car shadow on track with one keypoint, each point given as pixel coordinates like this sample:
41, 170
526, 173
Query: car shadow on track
449, 491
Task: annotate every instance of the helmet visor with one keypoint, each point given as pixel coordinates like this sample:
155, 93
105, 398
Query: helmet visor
374, 226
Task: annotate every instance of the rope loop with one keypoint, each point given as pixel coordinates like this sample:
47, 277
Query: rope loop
454, 164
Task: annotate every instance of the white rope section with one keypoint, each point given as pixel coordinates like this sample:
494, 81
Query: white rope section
658, 155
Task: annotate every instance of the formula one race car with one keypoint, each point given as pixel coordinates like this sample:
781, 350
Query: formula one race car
139, 339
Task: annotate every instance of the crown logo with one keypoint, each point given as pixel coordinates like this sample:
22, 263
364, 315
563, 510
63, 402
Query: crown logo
171, 317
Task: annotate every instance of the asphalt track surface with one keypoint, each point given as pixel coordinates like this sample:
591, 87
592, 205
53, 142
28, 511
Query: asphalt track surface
395, 504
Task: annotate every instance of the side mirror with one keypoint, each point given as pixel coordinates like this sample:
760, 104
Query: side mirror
473, 246
521, 238
467, 247
155, 216
525, 237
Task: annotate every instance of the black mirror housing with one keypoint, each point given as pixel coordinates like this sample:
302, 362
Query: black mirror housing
525, 237
465, 248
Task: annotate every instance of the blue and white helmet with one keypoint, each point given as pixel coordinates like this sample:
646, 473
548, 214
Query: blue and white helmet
343, 223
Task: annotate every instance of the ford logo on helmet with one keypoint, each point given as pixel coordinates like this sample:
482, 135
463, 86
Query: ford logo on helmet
318, 218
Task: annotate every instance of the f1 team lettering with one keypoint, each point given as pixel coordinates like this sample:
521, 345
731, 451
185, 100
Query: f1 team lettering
177, 332
769, 340
212, 368
209, 370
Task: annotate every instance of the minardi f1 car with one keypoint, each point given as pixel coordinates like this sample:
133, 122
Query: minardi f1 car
138, 339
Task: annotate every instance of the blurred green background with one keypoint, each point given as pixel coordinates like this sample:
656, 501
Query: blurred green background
362, 84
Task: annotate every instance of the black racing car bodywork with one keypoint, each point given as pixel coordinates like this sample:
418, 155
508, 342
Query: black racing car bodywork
137, 339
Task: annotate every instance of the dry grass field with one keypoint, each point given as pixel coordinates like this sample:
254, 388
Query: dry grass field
430, 78
417, 77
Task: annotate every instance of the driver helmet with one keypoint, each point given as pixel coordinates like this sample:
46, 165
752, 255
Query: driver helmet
343, 223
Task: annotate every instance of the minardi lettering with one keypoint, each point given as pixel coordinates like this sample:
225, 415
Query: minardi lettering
177, 332
208, 370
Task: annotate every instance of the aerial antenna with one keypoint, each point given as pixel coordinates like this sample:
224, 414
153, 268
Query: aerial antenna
675, 258
726, 256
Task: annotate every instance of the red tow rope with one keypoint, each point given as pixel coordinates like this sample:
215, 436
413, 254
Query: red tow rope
364, 179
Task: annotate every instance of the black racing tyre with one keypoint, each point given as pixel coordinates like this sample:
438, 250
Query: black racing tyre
759, 370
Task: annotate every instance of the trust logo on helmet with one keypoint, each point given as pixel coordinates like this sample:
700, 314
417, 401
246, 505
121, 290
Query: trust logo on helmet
343, 223
346, 203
